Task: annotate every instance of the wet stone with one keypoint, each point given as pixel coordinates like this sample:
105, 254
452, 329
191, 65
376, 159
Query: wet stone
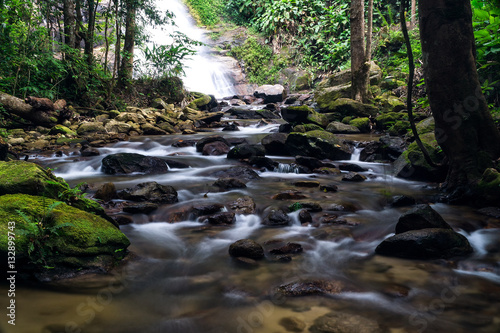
289, 195
140, 208
243, 205
340, 322
289, 248
353, 177
329, 188
292, 324
246, 248
307, 183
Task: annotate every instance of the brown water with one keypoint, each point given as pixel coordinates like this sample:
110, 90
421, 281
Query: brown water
181, 278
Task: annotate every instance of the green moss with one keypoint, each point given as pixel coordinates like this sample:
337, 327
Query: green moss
490, 181
426, 126
312, 127
87, 235
199, 102
386, 120
29, 178
60, 129
347, 120
401, 127
363, 124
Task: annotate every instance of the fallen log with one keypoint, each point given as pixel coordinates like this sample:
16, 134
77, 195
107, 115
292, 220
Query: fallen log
40, 104
20, 108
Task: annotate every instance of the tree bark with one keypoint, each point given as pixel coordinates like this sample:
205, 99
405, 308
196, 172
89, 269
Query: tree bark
127, 66
359, 68
89, 40
69, 23
413, 18
21, 109
464, 127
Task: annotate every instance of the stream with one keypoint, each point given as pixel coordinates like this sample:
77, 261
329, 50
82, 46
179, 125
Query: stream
180, 277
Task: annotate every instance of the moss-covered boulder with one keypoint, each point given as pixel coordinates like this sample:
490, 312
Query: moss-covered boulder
325, 96
19, 177
363, 124
319, 144
125, 163
426, 126
387, 120
390, 103
303, 115
91, 128
60, 129
489, 185
337, 127
347, 107
401, 127
412, 164
114, 126
204, 102
86, 240
29, 178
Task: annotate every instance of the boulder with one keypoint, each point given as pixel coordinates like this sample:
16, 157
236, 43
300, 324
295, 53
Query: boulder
412, 164
353, 177
288, 248
106, 192
246, 151
351, 167
337, 127
140, 208
203, 102
289, 195
329, 188
277, 218
29, 178
304, 216
386, 120
230, 127
240, 172
60, 129
246, 248
341, 322
151, 192
211, 117
4, 149
148, 129
292, 324
326, 96
117, 126
271, 93
209, 139
402, 201
309, 162
132, 117
87, 151
215, 148
226, 184
205, 209
307, 183
319, 144
263, 162
303, 115
431, 243
91, 128
343, 107
420, 217
224, 218
274, 144
84, 240
364, 125
158, 103
244, 205
125, 163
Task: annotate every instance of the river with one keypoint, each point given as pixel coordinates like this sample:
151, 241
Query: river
180, 277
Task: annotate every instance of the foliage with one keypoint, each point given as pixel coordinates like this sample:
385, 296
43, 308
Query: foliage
486, 23
39, 231
261, 66
167, 60
206, 12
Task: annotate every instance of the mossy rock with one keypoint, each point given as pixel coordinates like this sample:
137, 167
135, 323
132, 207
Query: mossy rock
363, 124
29, 178
349, 107
426, 126
390, 103
303, 81
490, 183
85, 237
412, 164
387, 120
200, 102
60, 129
327, 96
401, 127
19, 177
303, 115
337, 127
319, 144
91, 128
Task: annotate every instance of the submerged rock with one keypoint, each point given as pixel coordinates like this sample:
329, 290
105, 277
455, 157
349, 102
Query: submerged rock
210, 139
224, 218
430, 243
289, 195
106, 192
353, 177
125, 163
292, 324
246, 248
313, 287
244, 205
289, 248
216, 148
341, 322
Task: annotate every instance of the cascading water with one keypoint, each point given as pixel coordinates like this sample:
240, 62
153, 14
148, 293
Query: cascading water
203, 71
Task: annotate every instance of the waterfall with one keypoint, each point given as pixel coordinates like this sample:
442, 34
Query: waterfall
355, 154
286, 168
203, 71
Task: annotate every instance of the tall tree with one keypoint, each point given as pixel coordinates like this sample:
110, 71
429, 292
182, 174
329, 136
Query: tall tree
361, 41
69, 23
464, 127
127, 65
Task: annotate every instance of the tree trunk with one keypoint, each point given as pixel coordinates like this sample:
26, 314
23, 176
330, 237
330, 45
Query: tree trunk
359, 68
21, 109
464, 127
89, 40
69, 23
127, 66
413, 18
